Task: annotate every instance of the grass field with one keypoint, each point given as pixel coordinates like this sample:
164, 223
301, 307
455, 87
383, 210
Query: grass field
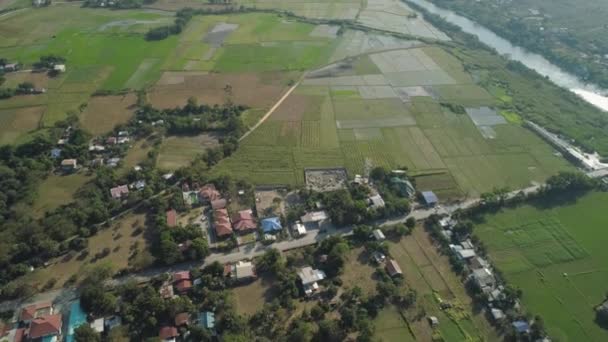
57, 190
126, 241
176, 152
103, 113
556, 254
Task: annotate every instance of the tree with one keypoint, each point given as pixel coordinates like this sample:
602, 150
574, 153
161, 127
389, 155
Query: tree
96, 300
329, 331
410, 222
84, 333
301, 332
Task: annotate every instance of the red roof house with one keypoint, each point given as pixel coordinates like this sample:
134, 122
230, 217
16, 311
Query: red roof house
171, 218
36, 310
221, 223
218, 204
182, 281
119, 191
244, 221
168, 333
209, 193
45, 326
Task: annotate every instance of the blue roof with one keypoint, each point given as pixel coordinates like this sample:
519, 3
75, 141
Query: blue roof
56, 152
521, 326
207, 319
429, 197
271, 224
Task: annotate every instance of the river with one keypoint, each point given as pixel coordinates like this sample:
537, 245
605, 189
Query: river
588, 92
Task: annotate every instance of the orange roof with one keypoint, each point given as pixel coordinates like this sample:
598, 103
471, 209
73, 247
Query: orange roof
209, 193
218, 203
29, 312
220, 213
178, 276
171, 218
45, 326
183, 285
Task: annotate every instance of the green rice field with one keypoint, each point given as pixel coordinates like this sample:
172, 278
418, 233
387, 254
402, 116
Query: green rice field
556, 254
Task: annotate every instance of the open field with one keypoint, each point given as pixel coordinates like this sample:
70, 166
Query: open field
251, 298
17, 122
125, 240
57, 190
393, 118
556, 253
330, 9
103, 113
136, 154
176, 152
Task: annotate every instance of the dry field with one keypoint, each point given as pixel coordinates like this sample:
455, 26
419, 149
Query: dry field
176, 152
253, 90
14, 123
103, 113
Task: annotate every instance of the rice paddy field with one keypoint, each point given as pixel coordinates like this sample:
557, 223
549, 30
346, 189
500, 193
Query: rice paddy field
556, 253
381, 106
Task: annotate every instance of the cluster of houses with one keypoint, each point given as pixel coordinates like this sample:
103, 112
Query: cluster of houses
100, 150
481, 273
44, 322
10, 67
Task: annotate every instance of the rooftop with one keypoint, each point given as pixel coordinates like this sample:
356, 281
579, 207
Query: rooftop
393, 268
45, 326
308, 275
429, 197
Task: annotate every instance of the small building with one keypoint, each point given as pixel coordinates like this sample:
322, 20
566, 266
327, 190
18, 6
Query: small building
168, 334
111, 141
123, 140
206, 319
244, 270
171, 218
167, 176
271, 225
59, 67
69, 164
299, 229
465, 254
113, 162
97, 148
314, 218
119, 191
45, 328
139, 185
447, 222
393, 268
98, 325
10, 67
123, 133
221, 223
433, 321
219, 204
430, 199
521, 327
483, 277
376, 201
310, 278
33, 311
182, 282
182, 319
378, 235
403, 187
166, 291
378, 257
243, 221
497, 314
209, 193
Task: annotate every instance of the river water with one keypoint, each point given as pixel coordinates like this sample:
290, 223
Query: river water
589, 93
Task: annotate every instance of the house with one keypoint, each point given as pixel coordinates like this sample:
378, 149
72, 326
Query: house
98, 325
123, 140
171, 218
97, 148
182, 319
206, 320
483, 277
167, 176
299, 229
359, 180
521, 327
33, 311
314, 218
97, 162
376, 201
166, 291
497, 314
61, 142
433, 321
393, 268
467, 244
139, 185
69, 164
403, 187
310, 278
10, 67
430, 199
465, 254
244, 270
123, 133
221, 223
219, 204
271, 225
378, 257
478, 262
55, 153
111, 140
378, 235
243, 221
119, 191
168, 334
182, 281
209, 193
59, 67
45, 327
447, 222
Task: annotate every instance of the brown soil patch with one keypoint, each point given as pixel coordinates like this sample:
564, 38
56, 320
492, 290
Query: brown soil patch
16, 122
175, 5
39, 79
292, 109
103, 113
253, 90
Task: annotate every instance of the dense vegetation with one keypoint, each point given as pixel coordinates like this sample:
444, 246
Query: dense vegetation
547, 29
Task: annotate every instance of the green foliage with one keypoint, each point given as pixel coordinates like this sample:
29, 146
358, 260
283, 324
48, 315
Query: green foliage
84, 333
